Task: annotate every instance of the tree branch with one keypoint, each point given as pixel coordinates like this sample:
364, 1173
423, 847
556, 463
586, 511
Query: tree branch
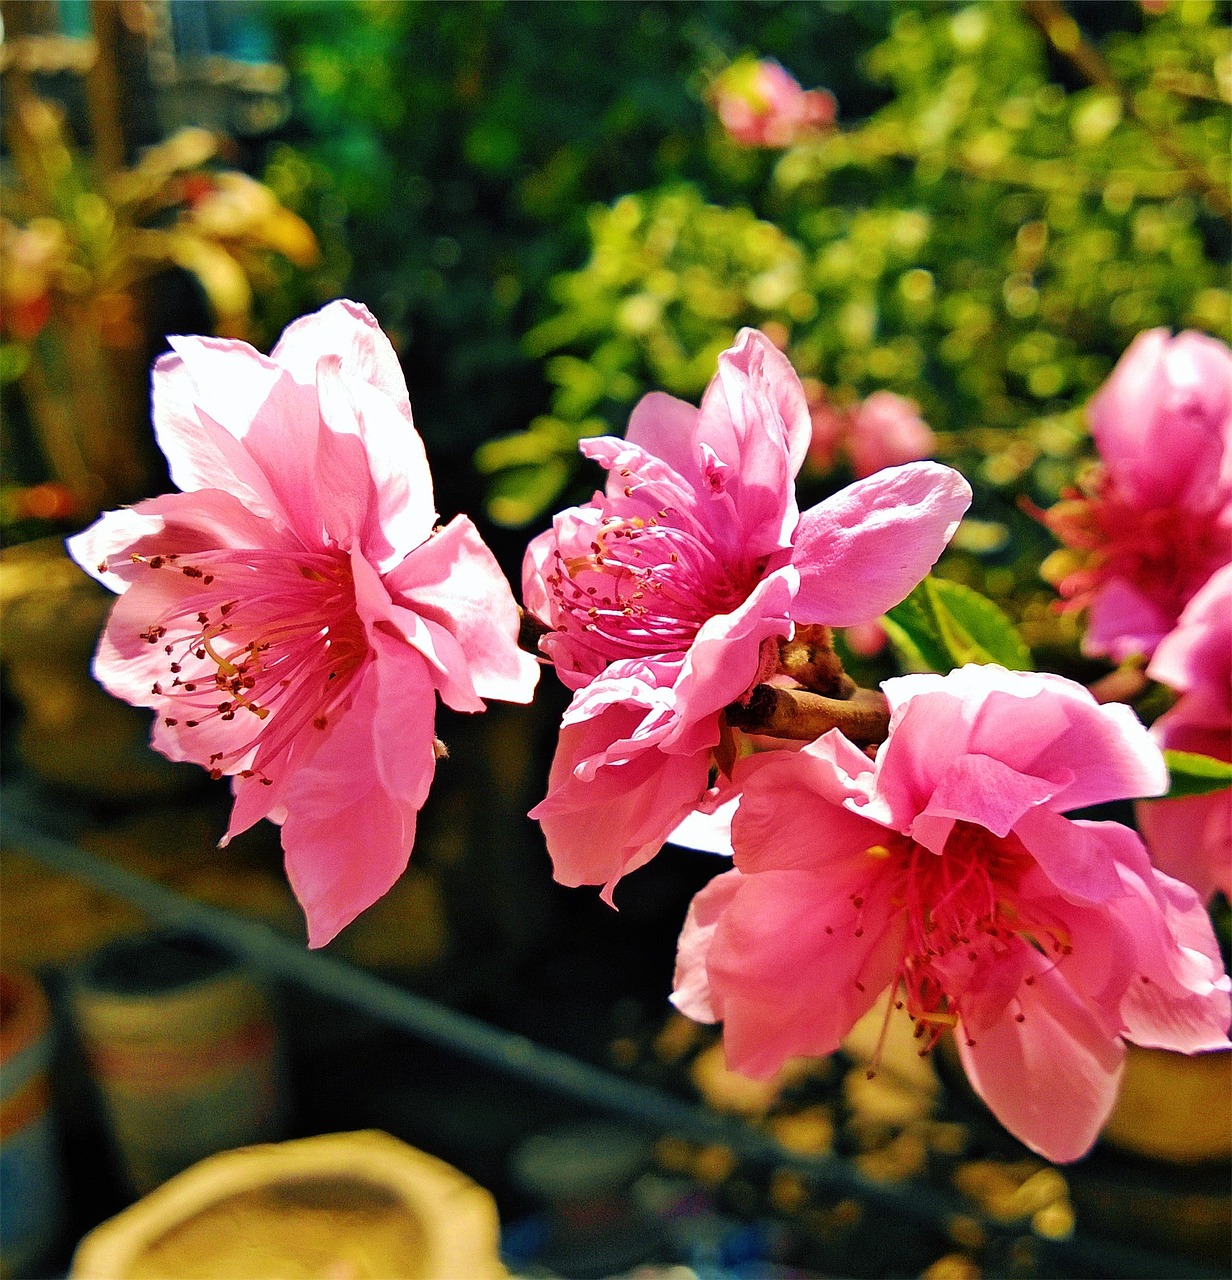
801, 716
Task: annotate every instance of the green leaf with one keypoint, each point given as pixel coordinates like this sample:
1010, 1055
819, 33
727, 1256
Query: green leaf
914, 635
942, 625
977, 626
1195, 775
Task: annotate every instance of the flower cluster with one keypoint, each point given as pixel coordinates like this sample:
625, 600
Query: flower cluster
292, 614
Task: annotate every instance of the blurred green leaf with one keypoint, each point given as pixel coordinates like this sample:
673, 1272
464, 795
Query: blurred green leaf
1195, 775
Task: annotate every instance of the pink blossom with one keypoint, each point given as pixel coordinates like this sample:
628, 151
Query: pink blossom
291, 614
884, 430
1191, 839
1158, 520
760, 105
946, 870
668, 593
887, 430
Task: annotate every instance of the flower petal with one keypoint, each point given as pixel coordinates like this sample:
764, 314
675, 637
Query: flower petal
788, 972
861, 551
455, 582
605, 820
812, 785
691, 986
1080, 858
663, 426
1051, 1079
351, 812
374, 486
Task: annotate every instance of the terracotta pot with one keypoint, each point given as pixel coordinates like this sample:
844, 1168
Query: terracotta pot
183, 1049
29, 1159
359, 1206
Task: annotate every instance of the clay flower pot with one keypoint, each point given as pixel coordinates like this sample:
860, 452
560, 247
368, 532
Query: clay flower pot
29, 1160
349, 1206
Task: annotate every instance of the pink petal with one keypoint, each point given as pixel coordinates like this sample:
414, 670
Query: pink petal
455, 582
615, 818
1080, 858
663, 426
1178, 998
861, 551
928, 729
1052, 728
349, 331
724, 657
1123, 623
752, 435
374, 486
979, 789
1161, 420
782, 984
691, 986
386, 621
258, 403
1051, 1079
812, 786
201, 453
1191, 839
1198, 653
351, 812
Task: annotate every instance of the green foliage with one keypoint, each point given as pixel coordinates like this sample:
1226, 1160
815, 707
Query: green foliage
1196, 775
461, 146
987, 243
942, 625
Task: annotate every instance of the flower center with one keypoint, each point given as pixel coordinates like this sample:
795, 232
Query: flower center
1166, 552
644, 586
255, 634
962, 911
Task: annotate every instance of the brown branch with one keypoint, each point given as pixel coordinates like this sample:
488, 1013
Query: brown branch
802, 716
1064, 35
530, 631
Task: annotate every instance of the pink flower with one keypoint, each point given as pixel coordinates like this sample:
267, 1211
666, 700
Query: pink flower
887, 430
761, 105
667, 595
1159, 520
947, 870
1192, 838
290, 614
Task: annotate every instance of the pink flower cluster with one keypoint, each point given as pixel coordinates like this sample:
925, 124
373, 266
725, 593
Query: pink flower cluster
760, 105
946, 871
667, 595
293, 612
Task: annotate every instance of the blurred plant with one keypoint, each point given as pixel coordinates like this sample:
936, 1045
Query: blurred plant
462, 146
73, 261
985, 244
